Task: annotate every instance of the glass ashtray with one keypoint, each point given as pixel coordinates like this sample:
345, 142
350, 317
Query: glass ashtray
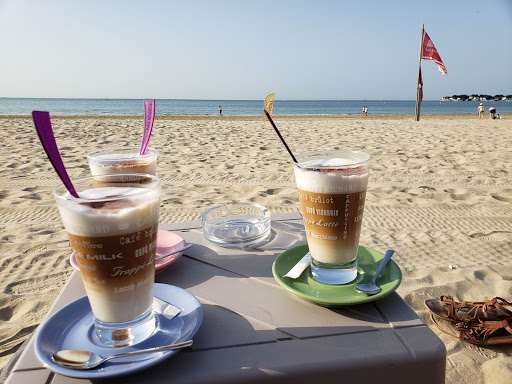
236, 224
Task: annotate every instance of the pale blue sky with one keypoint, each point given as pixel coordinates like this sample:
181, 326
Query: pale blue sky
248, 49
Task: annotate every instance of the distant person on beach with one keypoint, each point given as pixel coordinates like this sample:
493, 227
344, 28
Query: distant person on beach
480, 111
492, 113
365, 110
220, 111
362, 112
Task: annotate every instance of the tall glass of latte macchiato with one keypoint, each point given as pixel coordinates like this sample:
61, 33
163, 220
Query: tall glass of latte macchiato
122, 160
112, 229
332, 191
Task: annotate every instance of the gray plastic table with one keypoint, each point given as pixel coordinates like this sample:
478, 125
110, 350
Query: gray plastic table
255, 331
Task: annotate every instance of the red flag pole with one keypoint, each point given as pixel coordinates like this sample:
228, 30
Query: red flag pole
418, 89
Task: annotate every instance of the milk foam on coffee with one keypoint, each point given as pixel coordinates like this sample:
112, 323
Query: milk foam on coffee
114, 242
321, 176
332, 197
119, 163
97, 215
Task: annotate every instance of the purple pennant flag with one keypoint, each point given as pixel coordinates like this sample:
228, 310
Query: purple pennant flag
45, 132
149, 118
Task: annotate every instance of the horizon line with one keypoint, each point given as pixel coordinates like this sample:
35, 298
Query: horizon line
130, 98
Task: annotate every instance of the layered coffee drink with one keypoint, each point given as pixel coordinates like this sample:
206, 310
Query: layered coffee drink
112, 229
332, 192
122, 160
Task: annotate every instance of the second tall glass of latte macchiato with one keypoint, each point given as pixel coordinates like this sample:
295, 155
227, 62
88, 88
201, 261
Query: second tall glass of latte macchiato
332, 192
112, 229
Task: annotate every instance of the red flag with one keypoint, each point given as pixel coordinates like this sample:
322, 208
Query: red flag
429, 52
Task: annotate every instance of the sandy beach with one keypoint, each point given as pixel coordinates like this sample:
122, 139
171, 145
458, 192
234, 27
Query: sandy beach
440, 195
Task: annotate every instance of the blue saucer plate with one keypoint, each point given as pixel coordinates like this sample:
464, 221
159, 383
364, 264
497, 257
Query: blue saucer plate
72, 328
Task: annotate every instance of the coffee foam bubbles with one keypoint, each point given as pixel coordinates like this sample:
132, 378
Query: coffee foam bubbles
102, 193
118, 163
118, 156
322, 176
101, 214
335, 162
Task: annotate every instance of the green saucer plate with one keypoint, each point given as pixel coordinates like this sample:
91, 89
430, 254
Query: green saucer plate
305, 286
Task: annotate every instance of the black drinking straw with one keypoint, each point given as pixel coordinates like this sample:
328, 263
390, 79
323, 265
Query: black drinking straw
281, 137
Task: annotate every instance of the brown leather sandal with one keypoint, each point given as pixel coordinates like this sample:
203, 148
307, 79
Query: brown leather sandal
478, 332
448, 309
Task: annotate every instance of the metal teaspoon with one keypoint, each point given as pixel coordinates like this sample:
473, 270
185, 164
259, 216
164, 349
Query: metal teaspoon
76, 359
372, 288
176, 251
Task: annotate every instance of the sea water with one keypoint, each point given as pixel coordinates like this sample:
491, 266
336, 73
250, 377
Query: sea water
176, 107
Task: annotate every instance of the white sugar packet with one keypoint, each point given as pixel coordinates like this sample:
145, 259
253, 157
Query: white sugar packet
165, 309
300, 267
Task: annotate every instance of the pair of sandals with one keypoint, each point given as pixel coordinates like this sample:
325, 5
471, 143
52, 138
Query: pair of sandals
486, 322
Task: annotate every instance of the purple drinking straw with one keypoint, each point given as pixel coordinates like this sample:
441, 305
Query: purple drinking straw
45, 132
149, 118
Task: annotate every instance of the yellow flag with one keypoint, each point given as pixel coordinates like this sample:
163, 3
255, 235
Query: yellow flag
268, 105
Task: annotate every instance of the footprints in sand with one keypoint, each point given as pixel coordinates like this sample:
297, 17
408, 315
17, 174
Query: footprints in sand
37, 285
432, 194
459, 194
31, 215
280, 196
493, 236
505, 196
444, 195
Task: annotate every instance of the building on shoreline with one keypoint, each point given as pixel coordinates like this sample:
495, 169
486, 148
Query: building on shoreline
477, 98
